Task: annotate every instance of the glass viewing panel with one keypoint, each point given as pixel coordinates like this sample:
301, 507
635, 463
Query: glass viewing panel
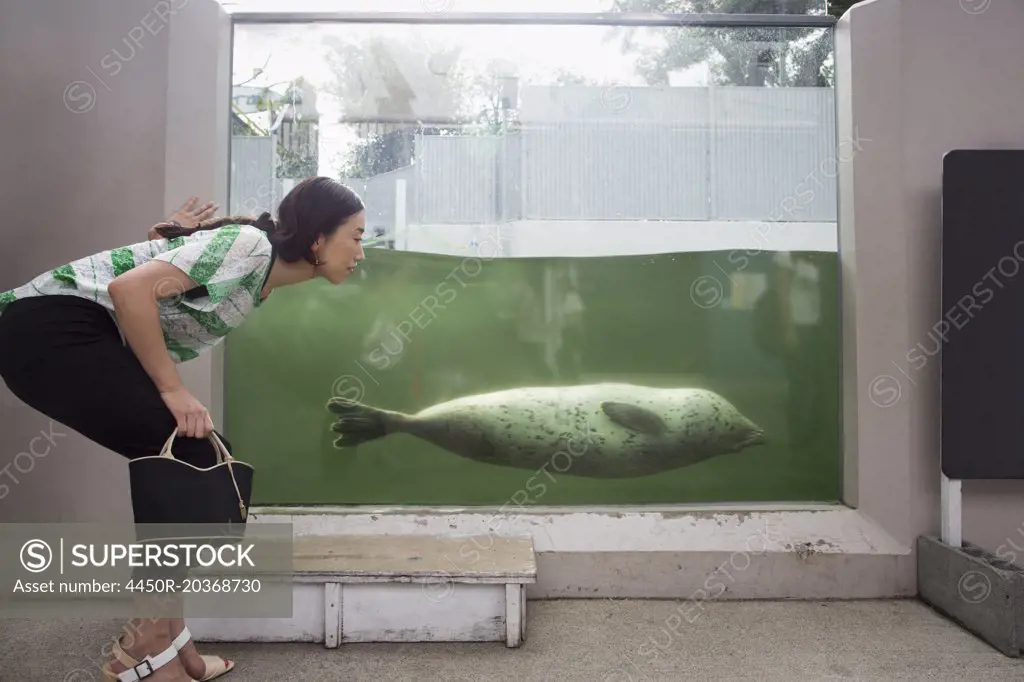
642, 216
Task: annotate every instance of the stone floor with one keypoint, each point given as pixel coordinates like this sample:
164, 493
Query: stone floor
591, 641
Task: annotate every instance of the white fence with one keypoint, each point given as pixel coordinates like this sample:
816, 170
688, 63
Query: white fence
584, 153
254, 185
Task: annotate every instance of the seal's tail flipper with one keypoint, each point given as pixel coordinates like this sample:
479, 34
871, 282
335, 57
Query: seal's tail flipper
357, 423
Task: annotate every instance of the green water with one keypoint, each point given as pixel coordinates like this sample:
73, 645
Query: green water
411, 330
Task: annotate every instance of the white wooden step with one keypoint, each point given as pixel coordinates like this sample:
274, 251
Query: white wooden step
396, 588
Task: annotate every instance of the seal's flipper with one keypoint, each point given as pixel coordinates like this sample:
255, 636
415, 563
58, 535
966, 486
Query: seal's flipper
636, 418
357, 423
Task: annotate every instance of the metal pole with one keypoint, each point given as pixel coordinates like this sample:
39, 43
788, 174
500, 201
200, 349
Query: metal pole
542, 18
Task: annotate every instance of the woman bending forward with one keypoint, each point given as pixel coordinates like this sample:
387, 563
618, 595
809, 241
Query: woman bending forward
120, 321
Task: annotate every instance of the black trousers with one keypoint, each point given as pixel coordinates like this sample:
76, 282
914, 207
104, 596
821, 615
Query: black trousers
63, 356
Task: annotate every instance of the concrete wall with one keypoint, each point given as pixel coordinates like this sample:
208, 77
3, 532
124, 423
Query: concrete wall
917, 78
105, 134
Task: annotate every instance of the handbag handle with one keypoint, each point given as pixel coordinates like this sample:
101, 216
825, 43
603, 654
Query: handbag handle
223, 456
222, 452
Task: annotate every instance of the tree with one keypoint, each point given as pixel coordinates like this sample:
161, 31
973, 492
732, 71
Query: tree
386, 85
839, 7
399, 87
391, 78
737, 56
294, 161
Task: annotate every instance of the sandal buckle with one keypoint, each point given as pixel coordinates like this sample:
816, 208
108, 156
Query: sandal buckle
146, 662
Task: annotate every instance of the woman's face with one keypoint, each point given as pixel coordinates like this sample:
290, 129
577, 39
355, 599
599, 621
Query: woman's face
342, 251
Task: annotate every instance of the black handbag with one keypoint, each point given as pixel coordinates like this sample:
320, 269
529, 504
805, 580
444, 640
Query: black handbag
167, 490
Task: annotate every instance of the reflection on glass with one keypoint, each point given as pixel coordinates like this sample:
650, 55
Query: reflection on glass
547, 206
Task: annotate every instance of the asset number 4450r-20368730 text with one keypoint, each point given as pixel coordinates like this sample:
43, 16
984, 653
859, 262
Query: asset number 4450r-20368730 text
193, 585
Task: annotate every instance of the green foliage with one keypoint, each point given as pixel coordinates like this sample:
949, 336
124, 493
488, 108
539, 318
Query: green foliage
737, 56
379, 153
295, 163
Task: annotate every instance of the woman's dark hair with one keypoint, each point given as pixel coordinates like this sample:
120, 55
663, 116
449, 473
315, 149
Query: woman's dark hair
315, 206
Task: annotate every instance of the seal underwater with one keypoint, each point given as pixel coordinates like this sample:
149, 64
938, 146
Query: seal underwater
611, 430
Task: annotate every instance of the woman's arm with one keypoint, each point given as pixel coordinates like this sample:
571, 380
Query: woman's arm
135, 295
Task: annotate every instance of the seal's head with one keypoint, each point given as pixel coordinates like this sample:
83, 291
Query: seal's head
727, 429
744, 437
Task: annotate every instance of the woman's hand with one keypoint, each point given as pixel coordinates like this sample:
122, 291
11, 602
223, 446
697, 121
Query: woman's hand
193, 419
187, 216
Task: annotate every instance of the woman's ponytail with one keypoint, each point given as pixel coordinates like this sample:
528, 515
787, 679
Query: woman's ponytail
264, 222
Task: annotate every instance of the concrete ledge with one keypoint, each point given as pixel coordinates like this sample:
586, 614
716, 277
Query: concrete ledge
977, 590
359, 558
724, 552
709, 576
395, 588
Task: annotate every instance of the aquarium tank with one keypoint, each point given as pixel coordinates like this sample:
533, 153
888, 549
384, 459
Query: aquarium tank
601, 265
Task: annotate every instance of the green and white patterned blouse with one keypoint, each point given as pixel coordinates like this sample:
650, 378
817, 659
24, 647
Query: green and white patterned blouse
232, 263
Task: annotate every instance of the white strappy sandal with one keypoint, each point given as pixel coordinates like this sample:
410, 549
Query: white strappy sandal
140, 670
215, 665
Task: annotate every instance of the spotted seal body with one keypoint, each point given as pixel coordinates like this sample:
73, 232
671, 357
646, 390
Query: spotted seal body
609, 430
